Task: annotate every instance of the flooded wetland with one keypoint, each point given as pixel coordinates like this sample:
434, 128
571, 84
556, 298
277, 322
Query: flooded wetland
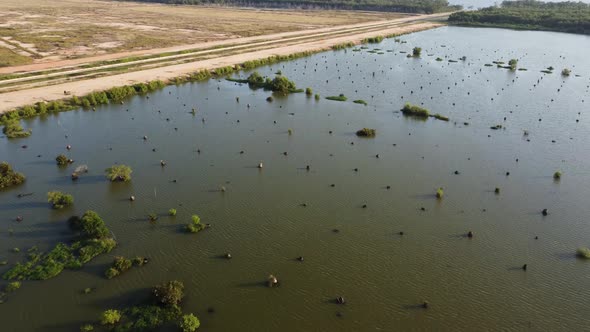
290, 190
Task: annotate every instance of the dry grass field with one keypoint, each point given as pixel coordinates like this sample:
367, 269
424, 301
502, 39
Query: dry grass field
45, 31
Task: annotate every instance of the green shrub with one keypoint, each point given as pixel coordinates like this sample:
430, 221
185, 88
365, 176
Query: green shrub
440, 193
13, 286
110, 317
308, 92
340, 97
360, 101
13, 129
172, 212
413, 110
566, 72
440, 117
111, 273
583, 253
87, 328
366, 132
195, 225
512, 64
372, 40
169, 293
59, 200
121, 173
189, 323
416, 52
317, 96
92, 226
8, 177
120, 265
557, 175
62, 160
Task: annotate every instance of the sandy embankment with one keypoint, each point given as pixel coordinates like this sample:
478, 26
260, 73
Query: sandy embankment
12, 100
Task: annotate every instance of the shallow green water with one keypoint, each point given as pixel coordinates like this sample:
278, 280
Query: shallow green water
471, 284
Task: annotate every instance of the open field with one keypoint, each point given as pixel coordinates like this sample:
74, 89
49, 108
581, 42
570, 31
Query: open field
67, 29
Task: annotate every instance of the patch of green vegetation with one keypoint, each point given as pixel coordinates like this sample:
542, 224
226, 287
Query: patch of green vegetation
172, 212
92, 241
120, 265
360, 101
373, 40
110, 317
416, 52
342, 46
583, 253
546, 71
557, 175
317, 96
59, 200
170, 293
566, 72
340, 97
308, 92
413, 110
439, 59
8, 177
366, 132
440, 193
189, 323
87, 328
13, 129
195, 225
572, 17
279, 84
512, 64
119, 173
440, 117
61, 160
13, 286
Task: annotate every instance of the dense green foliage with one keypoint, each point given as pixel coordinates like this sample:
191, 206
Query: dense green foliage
372, 40
170, 293
405, 6
13, 286
195, 225
110, 317
279, 84
583, 253
119, 173
360, 101
120, 265
61, 160
8, 177
13, 129
172, 212
413, 110
189, 323
93, 241
59, 200
573, 17
366, 132
416, 52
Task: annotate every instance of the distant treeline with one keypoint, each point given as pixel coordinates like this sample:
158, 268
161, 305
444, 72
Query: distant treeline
573, 17
404, 6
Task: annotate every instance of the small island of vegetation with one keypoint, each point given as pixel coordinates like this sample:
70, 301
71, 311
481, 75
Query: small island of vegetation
340, 97
572, 17
59, 200
8, 177
119, 173
366, 132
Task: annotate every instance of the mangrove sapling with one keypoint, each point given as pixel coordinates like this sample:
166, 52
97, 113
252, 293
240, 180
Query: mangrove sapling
153, 217
62, 160
366, 132
87, 328
59, 200
110, 317
308, 92
189, 323
317, 97
340, 97
120, 265
119, 173
8, 177
583, 253
440, 193
440, 117
169, 294
195, 225
360, 101
566, 72
416, 52
172, 212
557, 175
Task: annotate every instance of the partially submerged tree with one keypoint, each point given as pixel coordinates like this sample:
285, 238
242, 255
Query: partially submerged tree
416, 52
189, 323
119, 173
195, 225
366, 132
8, 177
169, 293
59, 200
13, 129
61, 160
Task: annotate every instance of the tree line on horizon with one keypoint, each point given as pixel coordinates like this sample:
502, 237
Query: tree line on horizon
404, 6
572, 17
